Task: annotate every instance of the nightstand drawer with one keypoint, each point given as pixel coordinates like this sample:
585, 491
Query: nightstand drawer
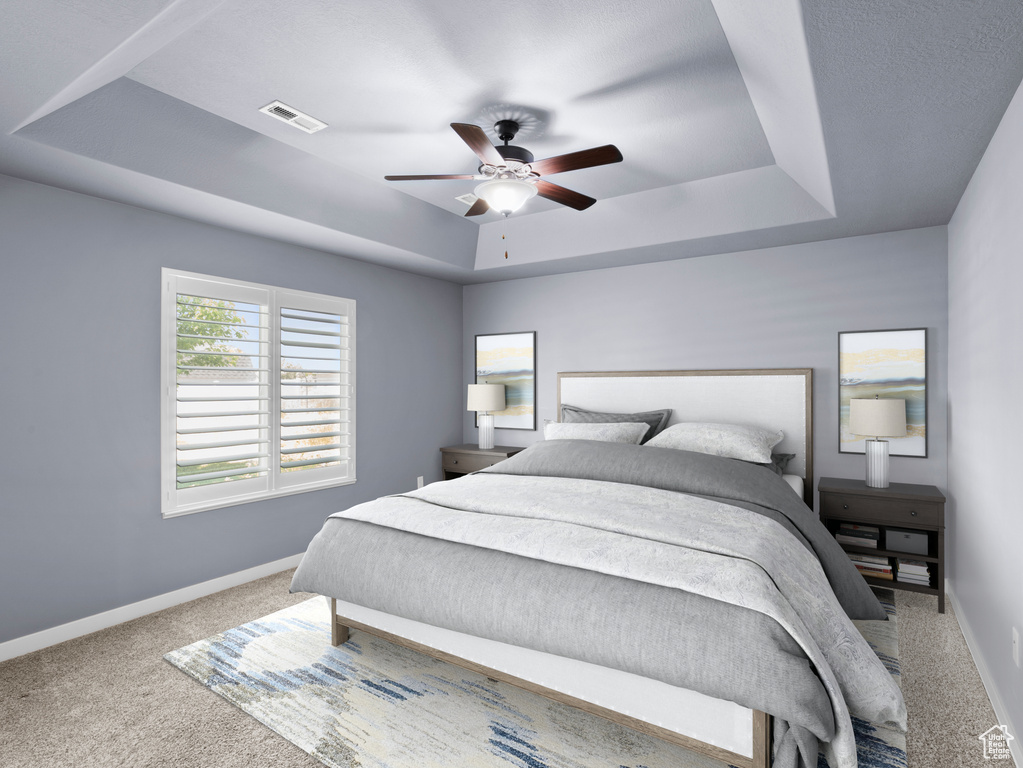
467, 462
888, 511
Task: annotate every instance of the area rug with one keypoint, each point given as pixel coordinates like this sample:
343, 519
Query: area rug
877, 746
372, 704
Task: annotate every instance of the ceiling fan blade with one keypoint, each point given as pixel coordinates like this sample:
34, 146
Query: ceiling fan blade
573, 161
563, 196
480, 206
426, 178
478, 142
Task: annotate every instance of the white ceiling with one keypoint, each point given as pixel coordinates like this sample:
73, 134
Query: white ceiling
743, 123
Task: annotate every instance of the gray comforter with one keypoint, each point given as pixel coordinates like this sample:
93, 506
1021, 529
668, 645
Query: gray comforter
716, 570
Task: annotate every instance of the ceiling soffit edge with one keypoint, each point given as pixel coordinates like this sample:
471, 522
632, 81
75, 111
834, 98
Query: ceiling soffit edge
173, 20
757, 199
768, 40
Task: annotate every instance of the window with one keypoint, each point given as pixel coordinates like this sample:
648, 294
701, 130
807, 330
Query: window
258, 392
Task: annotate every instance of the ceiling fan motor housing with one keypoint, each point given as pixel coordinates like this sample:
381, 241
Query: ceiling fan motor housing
506, 130
515, 154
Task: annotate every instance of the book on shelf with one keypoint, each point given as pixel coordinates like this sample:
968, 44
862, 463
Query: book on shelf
886, 573
917, 567
878, 574
854, 541
872, 559
860, 531
911, 575
872, 567
910, 578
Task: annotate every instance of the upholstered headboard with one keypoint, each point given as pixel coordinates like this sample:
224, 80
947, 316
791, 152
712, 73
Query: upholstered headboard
778, 398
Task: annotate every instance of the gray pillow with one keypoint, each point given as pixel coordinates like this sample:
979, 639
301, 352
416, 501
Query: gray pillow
778, 462
657, 420
733, 441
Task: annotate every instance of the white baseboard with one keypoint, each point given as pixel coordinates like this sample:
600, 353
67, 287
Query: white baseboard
47, 637
1001, 711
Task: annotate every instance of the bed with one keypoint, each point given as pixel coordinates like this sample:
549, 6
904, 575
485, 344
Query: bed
692, 597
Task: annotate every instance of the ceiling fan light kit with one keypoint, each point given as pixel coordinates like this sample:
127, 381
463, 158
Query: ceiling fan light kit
511, 176
505, 195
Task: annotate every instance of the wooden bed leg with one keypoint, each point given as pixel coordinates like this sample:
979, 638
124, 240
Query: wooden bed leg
761, 739
338, 632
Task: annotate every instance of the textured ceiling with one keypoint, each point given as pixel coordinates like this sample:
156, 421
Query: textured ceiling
743, 123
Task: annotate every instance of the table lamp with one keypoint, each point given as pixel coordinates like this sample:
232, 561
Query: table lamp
485, 399
877, 418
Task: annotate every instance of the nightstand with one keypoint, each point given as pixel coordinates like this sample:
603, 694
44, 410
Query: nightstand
917, 509
458, 460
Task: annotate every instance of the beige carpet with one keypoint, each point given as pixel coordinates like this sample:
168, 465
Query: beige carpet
109, 699
948, 706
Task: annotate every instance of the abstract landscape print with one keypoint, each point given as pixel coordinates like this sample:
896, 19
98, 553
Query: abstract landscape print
886, 364
510, 359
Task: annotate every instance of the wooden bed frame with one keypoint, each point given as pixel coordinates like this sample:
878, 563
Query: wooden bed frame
762, 722
341, 627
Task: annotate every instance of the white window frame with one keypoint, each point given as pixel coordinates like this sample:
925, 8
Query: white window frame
187, 501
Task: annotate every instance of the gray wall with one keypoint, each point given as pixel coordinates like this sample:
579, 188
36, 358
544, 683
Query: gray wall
80, 408
985, 254
773, 308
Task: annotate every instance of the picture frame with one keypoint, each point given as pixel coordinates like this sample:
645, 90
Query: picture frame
510, 359
885, 363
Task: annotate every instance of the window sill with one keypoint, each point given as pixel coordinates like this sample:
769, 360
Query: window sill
252, 497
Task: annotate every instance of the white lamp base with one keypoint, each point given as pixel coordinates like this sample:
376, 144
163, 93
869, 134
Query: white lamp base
877, 463
486, 431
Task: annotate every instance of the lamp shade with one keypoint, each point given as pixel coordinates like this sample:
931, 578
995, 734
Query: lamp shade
505, 195
486, 397
878, 418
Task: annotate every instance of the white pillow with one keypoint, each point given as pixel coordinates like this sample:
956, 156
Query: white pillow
621, 432
733, 441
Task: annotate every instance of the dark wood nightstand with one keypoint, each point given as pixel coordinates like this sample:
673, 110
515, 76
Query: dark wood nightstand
458, 460
905, 506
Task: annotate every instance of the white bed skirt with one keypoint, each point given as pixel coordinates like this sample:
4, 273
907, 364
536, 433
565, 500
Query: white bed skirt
718, 722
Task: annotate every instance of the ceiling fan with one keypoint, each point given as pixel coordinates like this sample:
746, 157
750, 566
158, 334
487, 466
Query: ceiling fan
510, 176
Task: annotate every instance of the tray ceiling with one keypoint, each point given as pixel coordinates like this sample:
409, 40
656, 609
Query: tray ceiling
743, 123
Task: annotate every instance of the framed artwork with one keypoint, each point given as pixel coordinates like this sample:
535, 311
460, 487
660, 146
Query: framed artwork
510, 359
884, 364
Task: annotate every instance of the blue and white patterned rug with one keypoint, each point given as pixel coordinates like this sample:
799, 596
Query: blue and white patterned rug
372, 704
877, 746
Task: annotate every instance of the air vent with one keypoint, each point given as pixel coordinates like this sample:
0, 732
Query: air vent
468, 198
292, 116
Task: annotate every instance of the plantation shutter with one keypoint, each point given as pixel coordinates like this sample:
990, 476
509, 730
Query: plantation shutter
315, 389
221, 399
258, 392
